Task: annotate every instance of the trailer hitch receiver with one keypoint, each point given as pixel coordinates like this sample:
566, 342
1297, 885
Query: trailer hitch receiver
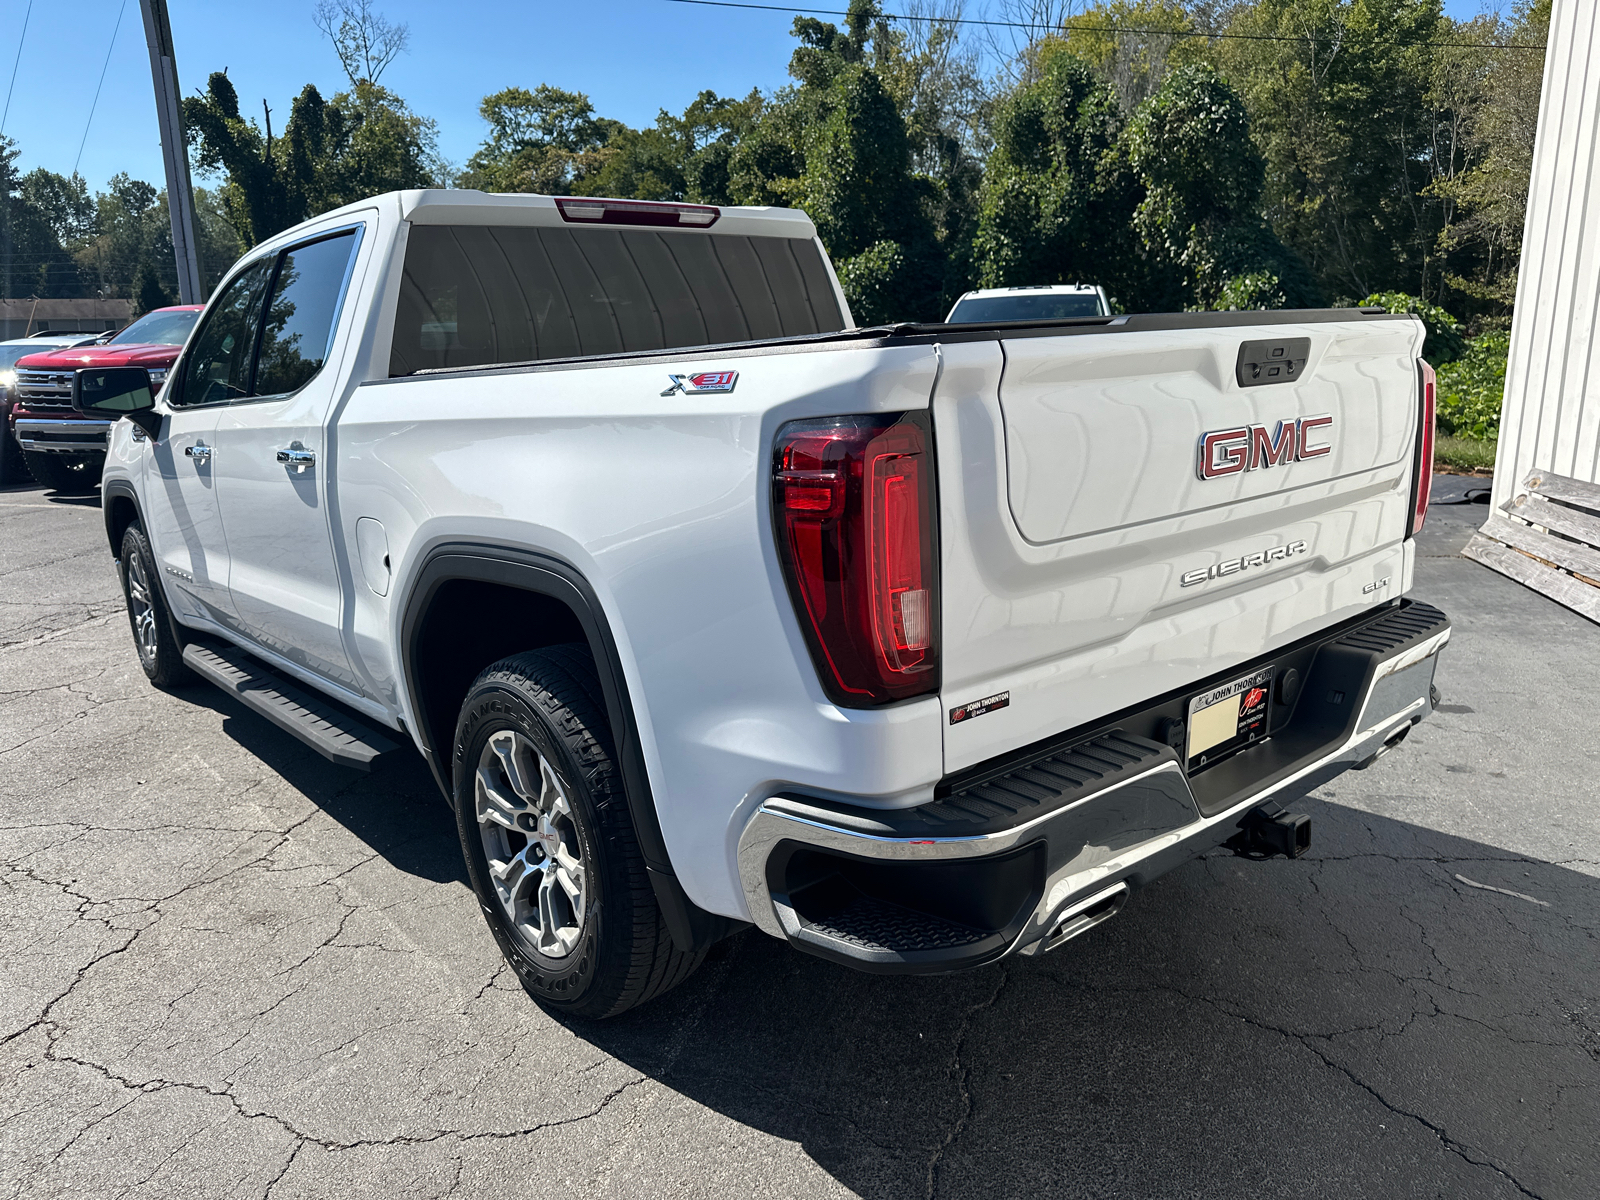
1268, 830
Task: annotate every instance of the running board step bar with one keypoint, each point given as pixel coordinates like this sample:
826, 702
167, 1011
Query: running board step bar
326, 727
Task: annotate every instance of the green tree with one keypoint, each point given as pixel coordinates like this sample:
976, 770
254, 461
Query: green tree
1059, 192
64, 202
362, 142
870, 211
684, 157
1132, 44
148, 291
1338, 97
32, 259
128, 248
370, 142
1191, 148
547, 140
1482, 238
837, 145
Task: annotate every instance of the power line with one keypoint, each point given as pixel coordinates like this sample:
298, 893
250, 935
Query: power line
17, 63
96, 101
1071, 26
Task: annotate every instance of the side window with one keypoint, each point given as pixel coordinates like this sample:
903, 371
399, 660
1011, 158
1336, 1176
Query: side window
217, 365
300, 316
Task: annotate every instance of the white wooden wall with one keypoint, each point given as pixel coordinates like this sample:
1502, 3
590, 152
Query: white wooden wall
1551, 419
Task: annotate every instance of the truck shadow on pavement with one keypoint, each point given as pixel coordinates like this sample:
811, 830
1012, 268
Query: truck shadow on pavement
1362, 1022
1400, 1013
396, 810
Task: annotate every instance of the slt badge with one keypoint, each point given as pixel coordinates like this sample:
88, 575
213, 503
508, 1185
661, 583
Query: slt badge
705, 381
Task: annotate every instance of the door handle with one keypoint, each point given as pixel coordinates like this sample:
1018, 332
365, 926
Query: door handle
297, 457
200, 452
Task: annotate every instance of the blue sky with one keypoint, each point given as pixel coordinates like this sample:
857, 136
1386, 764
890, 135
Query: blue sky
632, 57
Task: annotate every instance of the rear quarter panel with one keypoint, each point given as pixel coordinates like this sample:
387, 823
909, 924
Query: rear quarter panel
662, 503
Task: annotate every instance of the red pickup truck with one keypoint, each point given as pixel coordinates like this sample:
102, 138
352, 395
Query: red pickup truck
64, 449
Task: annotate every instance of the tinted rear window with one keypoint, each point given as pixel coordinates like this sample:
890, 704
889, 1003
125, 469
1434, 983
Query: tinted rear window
476, 294
158, 329
1026, 308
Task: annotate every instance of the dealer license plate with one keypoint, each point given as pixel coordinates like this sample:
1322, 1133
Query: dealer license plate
1227, 717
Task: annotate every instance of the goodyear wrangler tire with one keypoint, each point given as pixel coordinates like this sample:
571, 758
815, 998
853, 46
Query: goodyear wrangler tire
549, 845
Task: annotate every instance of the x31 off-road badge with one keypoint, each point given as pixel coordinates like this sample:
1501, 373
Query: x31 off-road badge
704, 381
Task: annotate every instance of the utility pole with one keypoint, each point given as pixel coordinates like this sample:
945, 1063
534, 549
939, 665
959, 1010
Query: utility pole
180, 196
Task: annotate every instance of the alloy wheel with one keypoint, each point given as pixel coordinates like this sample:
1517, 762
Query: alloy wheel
143, 611
530, 840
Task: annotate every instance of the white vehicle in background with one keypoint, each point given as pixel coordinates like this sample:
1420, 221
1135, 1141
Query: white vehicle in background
1044, 302
915, 646
12, 467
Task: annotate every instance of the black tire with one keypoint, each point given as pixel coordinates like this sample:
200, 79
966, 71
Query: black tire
159, 653
13, 470
71, 474
621, 953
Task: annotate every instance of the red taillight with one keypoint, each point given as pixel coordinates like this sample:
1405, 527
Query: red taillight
1424, 462
854, 509
583, 210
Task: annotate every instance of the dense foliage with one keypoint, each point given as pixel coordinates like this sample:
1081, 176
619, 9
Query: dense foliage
1181, 153
1444, 342
59, 240
1471, 387
330, 153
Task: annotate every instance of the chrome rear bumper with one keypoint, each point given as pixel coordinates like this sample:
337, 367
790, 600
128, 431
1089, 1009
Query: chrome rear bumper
1138, 822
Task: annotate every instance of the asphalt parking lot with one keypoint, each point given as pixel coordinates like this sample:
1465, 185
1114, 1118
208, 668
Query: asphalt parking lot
228, 968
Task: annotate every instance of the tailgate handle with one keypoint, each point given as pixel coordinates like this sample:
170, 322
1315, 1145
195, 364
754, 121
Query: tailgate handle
1280, 360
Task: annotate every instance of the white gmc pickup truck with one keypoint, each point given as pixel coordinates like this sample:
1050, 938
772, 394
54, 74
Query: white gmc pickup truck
916, 646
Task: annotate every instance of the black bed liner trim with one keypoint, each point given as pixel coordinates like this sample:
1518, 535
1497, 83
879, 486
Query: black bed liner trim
913, 334
1036, 779
970, 777
1000, 802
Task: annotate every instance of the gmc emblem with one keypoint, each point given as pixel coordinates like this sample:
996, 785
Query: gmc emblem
1230, 451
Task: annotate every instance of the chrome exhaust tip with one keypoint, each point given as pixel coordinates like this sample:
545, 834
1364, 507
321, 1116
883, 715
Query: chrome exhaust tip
1085, 915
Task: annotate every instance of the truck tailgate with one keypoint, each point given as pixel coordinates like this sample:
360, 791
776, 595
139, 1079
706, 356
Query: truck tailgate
1089, 566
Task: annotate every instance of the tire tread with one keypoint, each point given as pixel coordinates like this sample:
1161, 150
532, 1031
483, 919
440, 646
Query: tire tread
562, 683
171, 672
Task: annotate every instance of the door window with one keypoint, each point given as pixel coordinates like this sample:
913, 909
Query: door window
217, 367
300, 318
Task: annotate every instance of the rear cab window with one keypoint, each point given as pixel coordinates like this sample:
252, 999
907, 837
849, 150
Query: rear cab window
478, 295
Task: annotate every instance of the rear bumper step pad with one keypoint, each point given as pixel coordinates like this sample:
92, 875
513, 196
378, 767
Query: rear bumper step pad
1018, 854
325, 726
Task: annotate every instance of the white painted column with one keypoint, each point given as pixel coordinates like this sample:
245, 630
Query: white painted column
1551, 415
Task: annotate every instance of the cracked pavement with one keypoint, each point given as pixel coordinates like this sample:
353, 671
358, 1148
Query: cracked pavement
229, 969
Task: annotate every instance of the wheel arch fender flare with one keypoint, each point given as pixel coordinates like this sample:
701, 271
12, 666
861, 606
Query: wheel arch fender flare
120, 504
550, 576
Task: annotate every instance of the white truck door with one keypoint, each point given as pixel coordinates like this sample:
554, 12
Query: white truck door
272, 480
185, 523
185, 517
